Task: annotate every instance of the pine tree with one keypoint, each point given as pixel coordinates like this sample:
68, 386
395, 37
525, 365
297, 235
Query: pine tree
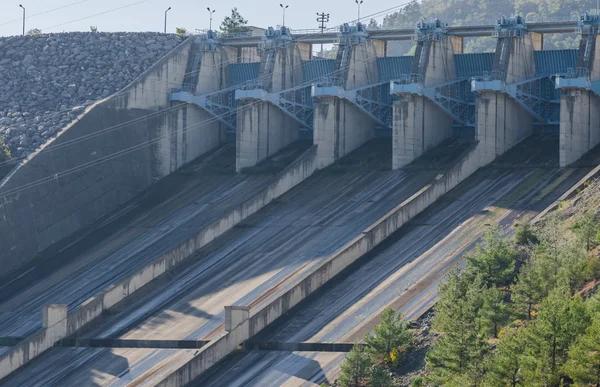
528, 291
505, 366
356, 367
560, 320
4, 151
494, 259
586, 229
458, 352
391, 334
234, 23
380, 377
495, 311
373, 25
583, 365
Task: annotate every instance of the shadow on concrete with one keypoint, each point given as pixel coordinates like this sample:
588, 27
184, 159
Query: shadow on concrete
332, 207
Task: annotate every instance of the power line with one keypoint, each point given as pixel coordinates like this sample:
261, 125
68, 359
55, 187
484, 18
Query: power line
161, 112
136, 147
45, 12
92, 163
96, 14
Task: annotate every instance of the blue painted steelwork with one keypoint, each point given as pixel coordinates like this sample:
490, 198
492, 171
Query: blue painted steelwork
551, 62
393, 67
317, 68
376, 101
221, 104
240, 73
473, 65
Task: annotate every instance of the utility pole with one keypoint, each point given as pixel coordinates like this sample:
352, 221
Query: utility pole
322, 18
168, 9
284, 8
358, 2
23, 19
210, 12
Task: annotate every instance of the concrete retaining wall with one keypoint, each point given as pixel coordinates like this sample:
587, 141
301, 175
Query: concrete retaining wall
94, 165
371, 237
82, 315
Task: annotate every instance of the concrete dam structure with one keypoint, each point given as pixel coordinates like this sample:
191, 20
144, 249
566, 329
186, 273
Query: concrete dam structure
209, 198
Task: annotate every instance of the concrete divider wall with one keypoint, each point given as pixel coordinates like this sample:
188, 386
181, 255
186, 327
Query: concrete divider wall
32, 347
74, 180
337, 262
85, 313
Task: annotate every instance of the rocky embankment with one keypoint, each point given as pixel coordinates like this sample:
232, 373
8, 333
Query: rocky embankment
47, 80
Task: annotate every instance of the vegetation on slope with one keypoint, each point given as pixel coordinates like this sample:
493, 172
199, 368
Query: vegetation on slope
469, 12
522, 312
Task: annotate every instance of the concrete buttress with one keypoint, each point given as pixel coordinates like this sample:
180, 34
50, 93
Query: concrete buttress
262, 128
501, 122
579, 113
418, 124
339, 125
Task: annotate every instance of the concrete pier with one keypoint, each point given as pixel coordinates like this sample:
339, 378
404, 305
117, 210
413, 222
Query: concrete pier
579, 114
339, 125
501, 121
193, 131
419, 124
263, 128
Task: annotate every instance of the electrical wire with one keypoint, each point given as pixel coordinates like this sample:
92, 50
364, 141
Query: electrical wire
163, 111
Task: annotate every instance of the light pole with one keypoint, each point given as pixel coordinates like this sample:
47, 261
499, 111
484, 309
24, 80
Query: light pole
168, 9
322, 19
358, 2
284, 8
23, 19
210, 13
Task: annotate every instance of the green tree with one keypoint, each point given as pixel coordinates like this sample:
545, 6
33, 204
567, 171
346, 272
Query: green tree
93, 28
180, 31
356, 367
560, 321
4, 150
524, 234
494, 259
380, 377
234, 23
583, 363
528, 291
373, 25
505, 366
391, 334
586, 229
406, 17
459, 350
495, 311
34, 32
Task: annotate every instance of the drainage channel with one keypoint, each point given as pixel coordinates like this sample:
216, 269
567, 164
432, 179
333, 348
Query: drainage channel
115, 343
300, 346
187, 344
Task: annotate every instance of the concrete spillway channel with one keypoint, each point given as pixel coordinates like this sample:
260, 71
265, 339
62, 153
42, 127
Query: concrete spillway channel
250, 265
407, 268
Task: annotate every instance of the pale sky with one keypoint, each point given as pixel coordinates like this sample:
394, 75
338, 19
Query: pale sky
148, 15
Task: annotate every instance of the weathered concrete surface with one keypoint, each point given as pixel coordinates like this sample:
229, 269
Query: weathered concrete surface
93, 166
251, 265
167, 253
501, 122
339, 126
418, 124
406, 273
579, 116
579, 124
263, 129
